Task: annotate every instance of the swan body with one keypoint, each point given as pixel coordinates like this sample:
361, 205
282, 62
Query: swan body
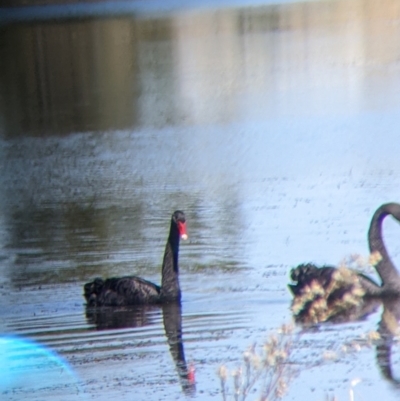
133, 290
323, 292
306, 274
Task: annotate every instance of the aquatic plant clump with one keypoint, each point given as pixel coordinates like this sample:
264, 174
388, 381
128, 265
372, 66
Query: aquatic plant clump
342, 293
265, 369
323, 303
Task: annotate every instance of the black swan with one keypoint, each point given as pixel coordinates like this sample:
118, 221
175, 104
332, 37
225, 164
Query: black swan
134, 290
324, 291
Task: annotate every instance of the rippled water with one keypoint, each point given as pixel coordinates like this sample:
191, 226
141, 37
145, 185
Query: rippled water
274, 127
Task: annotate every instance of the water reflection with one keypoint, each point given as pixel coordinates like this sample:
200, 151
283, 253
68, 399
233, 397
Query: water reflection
81, 77
347, 313
192, 68
105, 318
49, 243
271, 126
172, 318
388, 329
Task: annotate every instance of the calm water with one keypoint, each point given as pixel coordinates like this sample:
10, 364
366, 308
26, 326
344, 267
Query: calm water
274, 127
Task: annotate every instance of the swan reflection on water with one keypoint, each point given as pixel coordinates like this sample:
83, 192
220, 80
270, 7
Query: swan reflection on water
389, 328
107, 318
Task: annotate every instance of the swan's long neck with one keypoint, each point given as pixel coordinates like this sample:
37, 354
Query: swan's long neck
172, 317
170, 289
385, 268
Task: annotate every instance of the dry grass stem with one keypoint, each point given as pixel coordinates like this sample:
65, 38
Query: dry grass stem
266, 367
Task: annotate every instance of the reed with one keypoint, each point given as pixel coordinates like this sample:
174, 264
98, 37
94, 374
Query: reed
266, 368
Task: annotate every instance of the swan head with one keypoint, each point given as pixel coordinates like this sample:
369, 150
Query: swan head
393, 209
178, 217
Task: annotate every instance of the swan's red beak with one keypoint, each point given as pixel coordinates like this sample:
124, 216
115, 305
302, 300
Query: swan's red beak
191, 374
182, 230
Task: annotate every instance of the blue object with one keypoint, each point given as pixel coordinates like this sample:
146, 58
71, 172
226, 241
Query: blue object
26, 367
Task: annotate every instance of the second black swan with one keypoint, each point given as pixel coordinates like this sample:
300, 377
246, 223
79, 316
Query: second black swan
133, 290
314, 285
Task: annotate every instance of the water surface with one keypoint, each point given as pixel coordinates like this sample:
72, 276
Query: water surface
273, 126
